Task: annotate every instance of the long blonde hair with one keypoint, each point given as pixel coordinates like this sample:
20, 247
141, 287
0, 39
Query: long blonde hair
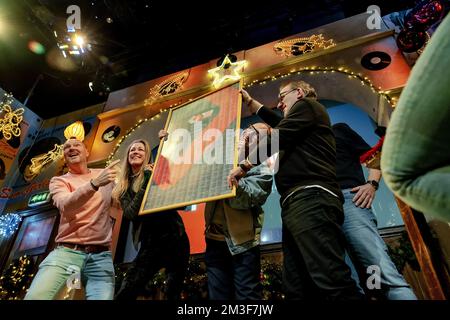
126, 172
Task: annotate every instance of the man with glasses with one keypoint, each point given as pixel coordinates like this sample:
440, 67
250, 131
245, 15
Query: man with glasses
311, 200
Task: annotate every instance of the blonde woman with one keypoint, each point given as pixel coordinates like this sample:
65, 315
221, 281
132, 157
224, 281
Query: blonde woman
164, 242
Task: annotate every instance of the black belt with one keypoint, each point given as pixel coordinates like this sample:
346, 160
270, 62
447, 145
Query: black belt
86, 248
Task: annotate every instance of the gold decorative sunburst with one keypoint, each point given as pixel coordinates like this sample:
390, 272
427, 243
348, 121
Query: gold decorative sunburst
227, 71
298, 46
9, 124
39, 162
166, 87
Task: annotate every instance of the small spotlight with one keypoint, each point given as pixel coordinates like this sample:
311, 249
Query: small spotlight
79, 40
109, 20
91, 86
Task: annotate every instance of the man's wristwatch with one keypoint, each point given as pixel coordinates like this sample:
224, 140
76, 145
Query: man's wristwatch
93, 186
374, 183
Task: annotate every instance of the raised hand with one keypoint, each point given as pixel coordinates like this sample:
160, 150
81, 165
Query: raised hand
163, 134
245, 96
107, 175
251, 103
234, 176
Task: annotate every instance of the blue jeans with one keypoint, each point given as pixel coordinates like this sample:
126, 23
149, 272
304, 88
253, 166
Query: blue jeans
94, 270
232, 277
367, 248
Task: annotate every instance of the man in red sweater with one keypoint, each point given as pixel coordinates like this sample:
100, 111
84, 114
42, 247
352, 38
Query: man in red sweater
82, 254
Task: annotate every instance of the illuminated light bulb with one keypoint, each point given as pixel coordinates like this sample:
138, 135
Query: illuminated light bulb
75, 130
79, 40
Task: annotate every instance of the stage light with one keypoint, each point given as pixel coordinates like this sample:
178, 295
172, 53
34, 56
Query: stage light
4, 30
79, 40
74, 45
91, 86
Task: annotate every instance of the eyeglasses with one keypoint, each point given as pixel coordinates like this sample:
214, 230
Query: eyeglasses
284, 94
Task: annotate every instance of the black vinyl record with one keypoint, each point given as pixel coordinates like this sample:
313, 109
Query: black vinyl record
110, 134
376, 60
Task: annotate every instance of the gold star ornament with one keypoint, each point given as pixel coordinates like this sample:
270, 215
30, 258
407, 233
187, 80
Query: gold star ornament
227, 71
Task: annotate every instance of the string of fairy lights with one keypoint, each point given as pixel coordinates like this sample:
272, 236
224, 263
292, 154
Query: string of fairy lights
16, 279
9, 223
364, 80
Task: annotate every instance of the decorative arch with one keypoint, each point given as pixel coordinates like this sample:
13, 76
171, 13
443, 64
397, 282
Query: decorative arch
331, 84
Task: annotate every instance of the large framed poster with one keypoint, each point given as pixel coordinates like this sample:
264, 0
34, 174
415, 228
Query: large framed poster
193, 164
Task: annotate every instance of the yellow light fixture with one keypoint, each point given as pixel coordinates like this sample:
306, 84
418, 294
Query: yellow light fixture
298, 46
168, 86
39, 162
9, 125
75, 130
227, 71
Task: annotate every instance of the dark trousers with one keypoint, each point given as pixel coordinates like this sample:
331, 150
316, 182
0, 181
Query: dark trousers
313, 248
158, 249
232, 277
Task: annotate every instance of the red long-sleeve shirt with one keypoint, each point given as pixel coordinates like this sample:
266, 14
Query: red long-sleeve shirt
85, 213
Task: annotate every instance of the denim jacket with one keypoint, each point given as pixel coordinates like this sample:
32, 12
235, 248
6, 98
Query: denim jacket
243, 213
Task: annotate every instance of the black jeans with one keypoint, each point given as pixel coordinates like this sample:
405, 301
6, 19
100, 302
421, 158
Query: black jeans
314, 248
232, 277
165, 245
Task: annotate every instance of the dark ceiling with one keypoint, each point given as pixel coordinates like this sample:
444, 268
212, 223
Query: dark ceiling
137, 40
